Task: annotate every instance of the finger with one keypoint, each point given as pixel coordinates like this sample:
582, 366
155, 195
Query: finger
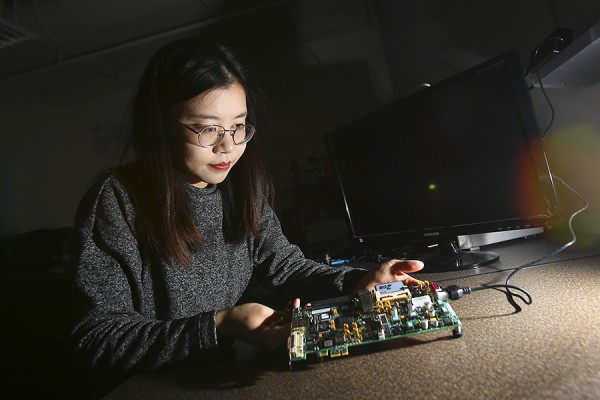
409, 280
275, 317
400, 266
286, 315
295, 303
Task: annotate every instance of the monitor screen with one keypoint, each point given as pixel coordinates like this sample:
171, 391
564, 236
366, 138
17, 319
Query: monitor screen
460, 157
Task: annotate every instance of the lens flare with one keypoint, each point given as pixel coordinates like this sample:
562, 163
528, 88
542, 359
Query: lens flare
573, 154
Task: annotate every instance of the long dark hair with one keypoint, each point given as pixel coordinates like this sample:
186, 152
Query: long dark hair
178, 72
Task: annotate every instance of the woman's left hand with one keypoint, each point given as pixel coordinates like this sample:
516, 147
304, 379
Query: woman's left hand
391, 271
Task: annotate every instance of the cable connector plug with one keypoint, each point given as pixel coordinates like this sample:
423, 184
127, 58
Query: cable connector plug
456, 292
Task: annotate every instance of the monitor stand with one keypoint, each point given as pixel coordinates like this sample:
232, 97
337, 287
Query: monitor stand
448, 257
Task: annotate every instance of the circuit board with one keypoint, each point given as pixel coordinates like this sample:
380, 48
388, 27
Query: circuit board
328, 328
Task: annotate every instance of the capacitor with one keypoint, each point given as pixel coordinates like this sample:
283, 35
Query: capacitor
395, 314
388, 307
424, 324
356, 332
346, 331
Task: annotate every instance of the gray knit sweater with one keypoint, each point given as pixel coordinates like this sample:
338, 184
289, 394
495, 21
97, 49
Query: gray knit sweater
133, 313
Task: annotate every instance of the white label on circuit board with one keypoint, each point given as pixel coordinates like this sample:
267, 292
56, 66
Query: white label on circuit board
421, 301
389, 287
321, 311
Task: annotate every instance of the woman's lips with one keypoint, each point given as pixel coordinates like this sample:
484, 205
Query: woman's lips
224, 166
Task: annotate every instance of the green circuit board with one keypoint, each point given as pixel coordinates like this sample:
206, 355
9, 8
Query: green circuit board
330, 327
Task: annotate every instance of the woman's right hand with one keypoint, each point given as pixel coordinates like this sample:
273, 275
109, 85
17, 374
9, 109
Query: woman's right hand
256, 324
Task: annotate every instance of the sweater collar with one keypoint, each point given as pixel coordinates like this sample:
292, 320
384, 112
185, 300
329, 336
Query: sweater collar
196, 191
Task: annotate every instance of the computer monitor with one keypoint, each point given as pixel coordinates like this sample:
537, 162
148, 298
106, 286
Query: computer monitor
461, 157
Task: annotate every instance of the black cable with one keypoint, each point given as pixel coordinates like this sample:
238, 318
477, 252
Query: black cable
586, 204
456, 292
507, 286
566, 245
537, 73
513, 291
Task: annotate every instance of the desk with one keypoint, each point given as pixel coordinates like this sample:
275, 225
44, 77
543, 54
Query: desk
549, 350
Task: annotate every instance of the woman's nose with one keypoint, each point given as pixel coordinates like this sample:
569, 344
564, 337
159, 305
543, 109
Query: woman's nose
226, 144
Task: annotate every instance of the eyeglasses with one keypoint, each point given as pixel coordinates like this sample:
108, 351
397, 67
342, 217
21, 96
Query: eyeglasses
211, 135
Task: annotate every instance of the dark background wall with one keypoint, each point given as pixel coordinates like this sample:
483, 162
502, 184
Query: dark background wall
63, 95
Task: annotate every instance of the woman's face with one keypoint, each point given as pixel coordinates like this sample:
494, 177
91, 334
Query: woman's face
226, 107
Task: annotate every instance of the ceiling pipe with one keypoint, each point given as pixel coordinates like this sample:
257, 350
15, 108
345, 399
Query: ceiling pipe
142, 40
60, 46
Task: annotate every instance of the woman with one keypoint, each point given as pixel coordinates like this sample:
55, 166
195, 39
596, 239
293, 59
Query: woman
167, 245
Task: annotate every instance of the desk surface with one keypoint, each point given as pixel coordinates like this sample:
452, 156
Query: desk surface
551, 349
